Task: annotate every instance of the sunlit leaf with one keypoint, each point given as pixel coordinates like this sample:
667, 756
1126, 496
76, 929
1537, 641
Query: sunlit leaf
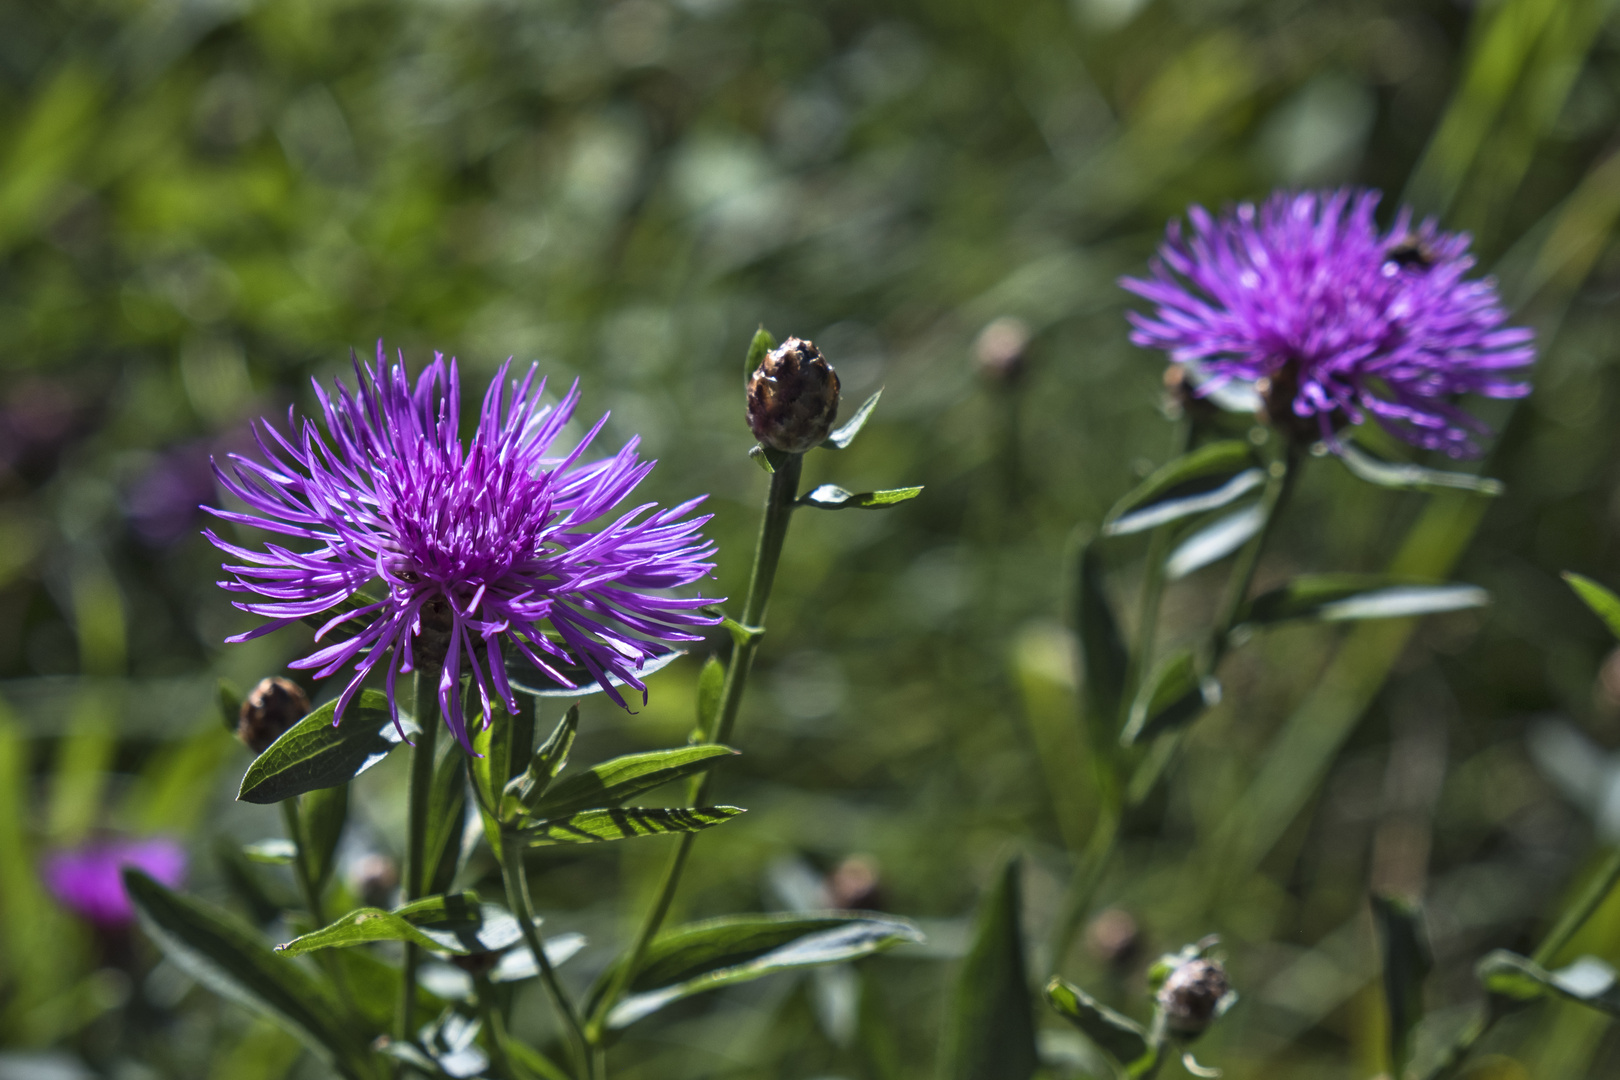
1409, 477
615, 782
711, 685
1174, 696
1117, 1035
622, 823
1343, 597
314, 753
1206, 479
1589, 980
516, 965
833, 497
1604, 604
761, 343
1214, 542
457, 924
846, 432
548, 761
276, 851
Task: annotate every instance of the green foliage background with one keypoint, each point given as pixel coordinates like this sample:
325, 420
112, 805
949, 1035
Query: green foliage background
205, 202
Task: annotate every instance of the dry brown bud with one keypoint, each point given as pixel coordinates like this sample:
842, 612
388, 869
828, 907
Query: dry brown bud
1191, 996
792, 397
270, 708
1001, 347
373, 878
855, 885
1112, 937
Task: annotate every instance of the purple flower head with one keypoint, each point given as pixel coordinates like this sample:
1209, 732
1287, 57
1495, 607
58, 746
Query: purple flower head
88, 879
1340, 319
473, 547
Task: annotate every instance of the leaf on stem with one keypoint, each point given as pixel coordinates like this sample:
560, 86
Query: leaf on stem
613, 783
833, 497
1115, 1034
720, 952
516, 965
845, 433
276, 851
1406, 964
991, 1031
1604, 604
711, 686
1214, 542
457, 924
323, 812
547, 762
1344, 597
230, 704
1206, 479
1588, 980
1409, 477
622, 823
1173, 697
213, 947
314, 753
1102, 647
531, 680
761, 343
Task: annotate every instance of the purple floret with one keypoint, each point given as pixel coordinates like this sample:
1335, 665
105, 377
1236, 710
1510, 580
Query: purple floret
498, 542
1306, 292
89, 881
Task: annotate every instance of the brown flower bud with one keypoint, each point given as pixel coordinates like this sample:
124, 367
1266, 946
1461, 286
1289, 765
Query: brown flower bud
792, 397
1192, 996
1113, 938
854, 885
1000, 349
374, 878
270, 708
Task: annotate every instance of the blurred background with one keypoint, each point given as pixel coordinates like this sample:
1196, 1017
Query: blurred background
203, 203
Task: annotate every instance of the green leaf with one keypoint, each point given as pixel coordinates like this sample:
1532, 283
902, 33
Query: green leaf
1343, 597
1206, 479
1406, 964
613, 783
1604, 604
991, 1031
531, 680
314, 754
275, 851
1118, 1036
264, 899
230, 704
1214, 542
373, 986
1173, 697
457, 924
323, 813
845, 433
214, 948
1588, 980
711, 686
595, 826
1408, 477
547, 762
761, 344
1102, 647
737, 948
446, 818
833, 497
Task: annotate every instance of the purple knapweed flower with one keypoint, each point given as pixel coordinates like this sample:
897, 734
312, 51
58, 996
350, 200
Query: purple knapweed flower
1340, 319
89, 879
474, 547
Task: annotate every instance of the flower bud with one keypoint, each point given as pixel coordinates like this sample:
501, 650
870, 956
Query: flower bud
1113, 937
792, 397
270, 708
374, 877
855, 885
1001, 347
1193, 996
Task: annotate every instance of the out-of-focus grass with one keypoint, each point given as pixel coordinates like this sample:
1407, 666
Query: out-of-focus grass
201, 205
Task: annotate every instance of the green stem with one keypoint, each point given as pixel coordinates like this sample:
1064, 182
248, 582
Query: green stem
306, 887
1283, 473
517, 898
773, 529
413, 876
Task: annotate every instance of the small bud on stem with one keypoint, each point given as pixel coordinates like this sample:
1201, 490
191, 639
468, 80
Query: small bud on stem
1192, 996
270, 708
792, 397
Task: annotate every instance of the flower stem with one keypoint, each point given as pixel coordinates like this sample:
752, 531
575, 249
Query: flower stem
517, 898
306, 887
745, 643
1280, 484
1568, 925
413, 876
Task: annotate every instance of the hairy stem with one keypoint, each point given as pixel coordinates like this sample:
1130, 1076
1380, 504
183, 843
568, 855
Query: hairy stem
745, 643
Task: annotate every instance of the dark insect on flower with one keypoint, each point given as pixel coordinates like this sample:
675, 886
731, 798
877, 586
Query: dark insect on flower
500, 542
792, 397
1341, 320
269, 710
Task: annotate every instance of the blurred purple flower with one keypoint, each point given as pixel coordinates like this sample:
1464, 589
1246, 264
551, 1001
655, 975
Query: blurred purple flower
162, 503
493, 543
88, 878
1341, 319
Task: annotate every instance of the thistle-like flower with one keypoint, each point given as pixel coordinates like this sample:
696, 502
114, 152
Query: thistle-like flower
498, 543
87, 879
1334, 320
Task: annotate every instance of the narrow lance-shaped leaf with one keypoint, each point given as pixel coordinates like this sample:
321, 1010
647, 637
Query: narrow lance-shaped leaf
613, 783
229, 699
846, 432
315, 754
761, 343
1406, 964
1118, 1036
1345, 597
990, 1034
622, 823
276, 851
457, 924
833, 497
1102, 646
1588, 980
720, 952
548, 761
1604, 604
1206, 479
213, 947
1173, 697
711, 686
1214, 542
1408, 477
